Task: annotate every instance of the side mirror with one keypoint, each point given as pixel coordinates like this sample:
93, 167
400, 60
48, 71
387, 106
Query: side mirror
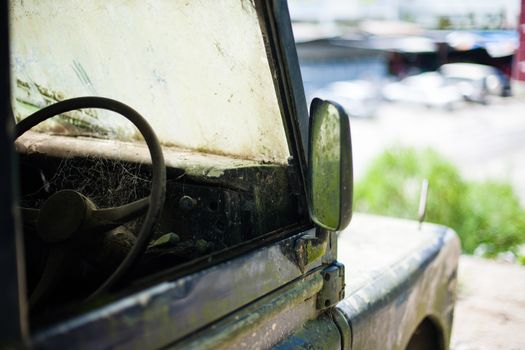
330, 174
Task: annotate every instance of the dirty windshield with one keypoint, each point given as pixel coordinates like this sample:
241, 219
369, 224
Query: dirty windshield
203, 82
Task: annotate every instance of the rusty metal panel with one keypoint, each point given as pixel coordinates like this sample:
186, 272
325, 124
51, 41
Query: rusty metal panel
173, 309
321, 333
396, 275
263, 323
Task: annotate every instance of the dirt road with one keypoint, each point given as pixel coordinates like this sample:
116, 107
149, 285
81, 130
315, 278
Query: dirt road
490, 311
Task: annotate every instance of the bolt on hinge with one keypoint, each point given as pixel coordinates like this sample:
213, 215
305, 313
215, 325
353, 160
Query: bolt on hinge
333, 287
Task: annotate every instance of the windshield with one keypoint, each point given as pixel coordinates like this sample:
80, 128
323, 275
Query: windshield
197, 70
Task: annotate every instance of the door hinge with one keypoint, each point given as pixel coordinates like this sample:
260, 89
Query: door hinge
333, 287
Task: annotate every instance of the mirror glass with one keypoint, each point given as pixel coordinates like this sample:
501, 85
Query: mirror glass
330, 165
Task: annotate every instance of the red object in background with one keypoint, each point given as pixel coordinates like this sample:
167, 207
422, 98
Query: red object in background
519, 63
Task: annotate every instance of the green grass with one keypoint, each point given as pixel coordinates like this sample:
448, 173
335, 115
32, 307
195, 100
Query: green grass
487, 213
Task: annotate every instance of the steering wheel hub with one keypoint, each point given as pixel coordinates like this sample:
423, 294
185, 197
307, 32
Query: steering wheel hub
62, 215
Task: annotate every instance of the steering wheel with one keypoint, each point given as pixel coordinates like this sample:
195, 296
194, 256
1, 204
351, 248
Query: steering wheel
68, 214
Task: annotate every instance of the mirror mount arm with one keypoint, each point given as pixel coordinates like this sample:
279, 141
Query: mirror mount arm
309, 248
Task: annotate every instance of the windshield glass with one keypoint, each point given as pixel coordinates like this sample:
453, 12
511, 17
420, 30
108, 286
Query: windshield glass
197, 70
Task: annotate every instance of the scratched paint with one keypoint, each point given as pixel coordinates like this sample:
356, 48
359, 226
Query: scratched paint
203, 82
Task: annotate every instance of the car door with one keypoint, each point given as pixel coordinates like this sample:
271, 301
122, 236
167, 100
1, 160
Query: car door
273, 282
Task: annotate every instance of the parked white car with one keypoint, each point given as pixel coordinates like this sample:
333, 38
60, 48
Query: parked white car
449, 85
359, 98
430, 89
476, 81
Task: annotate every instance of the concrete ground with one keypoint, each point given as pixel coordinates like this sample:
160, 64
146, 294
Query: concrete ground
490, 311
485, 142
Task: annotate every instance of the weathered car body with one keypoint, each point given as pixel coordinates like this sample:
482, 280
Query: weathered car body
380, 283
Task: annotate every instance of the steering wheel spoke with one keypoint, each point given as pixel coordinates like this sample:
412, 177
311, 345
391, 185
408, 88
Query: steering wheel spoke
110, 218
53, 271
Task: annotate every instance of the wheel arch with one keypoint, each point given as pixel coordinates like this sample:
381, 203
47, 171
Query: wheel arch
429, 334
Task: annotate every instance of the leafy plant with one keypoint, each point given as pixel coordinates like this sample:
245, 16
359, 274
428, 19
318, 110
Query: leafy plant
487, 213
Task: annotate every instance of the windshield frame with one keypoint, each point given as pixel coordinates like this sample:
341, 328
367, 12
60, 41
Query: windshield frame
15, 325
276, 26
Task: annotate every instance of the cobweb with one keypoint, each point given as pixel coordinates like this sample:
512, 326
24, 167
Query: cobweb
107, 182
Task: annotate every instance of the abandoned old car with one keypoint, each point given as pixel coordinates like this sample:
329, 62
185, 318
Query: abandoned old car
164, 186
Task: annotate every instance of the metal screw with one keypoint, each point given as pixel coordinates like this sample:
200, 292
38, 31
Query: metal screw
187, 203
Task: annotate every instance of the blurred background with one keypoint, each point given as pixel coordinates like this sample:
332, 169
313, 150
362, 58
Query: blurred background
435, 90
